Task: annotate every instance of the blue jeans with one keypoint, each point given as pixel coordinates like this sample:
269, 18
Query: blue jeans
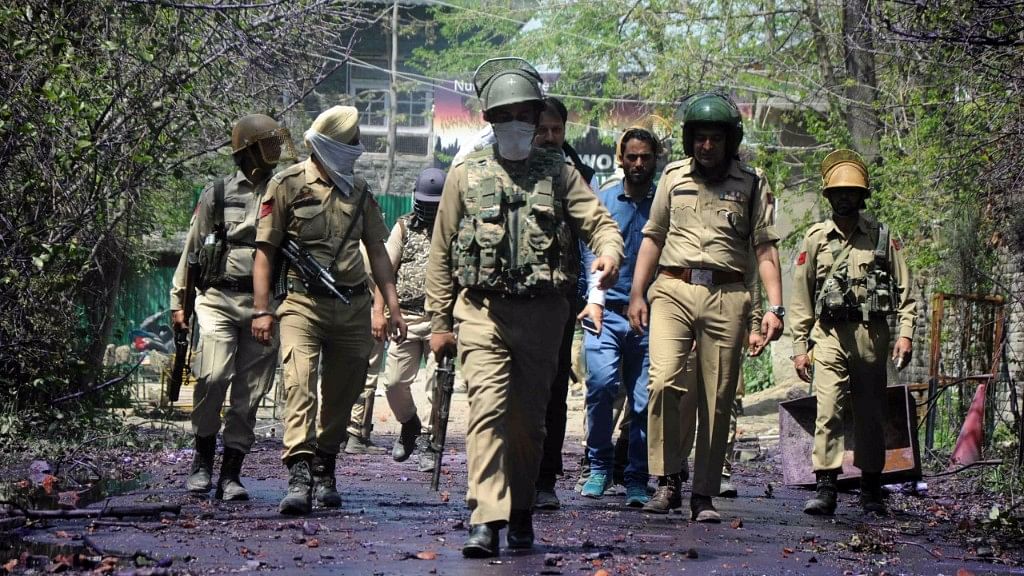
618, 357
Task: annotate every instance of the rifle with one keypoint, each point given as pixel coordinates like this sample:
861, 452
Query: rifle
308, 268
182, 350
444, 386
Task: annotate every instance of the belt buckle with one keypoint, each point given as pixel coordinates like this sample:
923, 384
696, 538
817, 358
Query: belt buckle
702, 277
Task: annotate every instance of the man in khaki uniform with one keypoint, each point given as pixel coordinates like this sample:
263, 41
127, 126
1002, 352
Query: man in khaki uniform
228, 356
850, 277
500, 263
693, 382
709, 214
327, 210
409, 248
360, 424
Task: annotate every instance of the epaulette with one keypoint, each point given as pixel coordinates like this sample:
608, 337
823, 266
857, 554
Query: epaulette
297, 168
677, 164
748, 169
816, 228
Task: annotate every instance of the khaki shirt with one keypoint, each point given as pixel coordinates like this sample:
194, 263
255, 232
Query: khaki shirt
815, 260
592, 221
241, 207
711, 225
300, 204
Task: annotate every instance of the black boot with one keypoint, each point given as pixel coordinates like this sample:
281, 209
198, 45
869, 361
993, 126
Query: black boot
520, 530
229, 486
871, 498
299, 500
200, 477
482, 541
667, 496
325, 486
702, 510
824, 501
405, 444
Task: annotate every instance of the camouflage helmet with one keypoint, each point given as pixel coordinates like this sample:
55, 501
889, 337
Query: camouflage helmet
716, 109
844, 169
503, 81
272, 142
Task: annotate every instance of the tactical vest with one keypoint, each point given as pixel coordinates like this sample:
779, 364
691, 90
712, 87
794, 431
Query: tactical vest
514, 237
838, 297
412, 269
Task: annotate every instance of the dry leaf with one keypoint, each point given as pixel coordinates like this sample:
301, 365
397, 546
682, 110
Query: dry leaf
602, 572
964, 572
312, 543
426, 555
445, 496
737, 523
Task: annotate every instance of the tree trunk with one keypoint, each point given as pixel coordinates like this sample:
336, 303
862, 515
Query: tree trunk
862, 87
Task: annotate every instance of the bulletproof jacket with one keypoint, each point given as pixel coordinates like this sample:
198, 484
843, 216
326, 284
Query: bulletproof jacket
514, 237
843, 296
412, 268
226, 255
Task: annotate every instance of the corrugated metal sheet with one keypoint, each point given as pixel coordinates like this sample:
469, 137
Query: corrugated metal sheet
393, 206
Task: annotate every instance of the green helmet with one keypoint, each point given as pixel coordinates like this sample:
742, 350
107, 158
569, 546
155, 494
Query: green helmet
502, 81
714, 109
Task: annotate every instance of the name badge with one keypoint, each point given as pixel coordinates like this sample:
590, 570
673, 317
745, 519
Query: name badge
734, 196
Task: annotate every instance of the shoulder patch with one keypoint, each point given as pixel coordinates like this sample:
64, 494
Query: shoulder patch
802, 258
266, 207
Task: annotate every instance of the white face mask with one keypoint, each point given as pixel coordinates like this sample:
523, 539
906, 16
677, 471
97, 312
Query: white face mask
337, 159
514, 138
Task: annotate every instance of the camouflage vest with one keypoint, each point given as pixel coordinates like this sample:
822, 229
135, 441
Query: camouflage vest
838, 297
412, 269
514, 237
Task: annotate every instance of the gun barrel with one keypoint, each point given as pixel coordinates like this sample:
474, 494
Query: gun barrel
445, 382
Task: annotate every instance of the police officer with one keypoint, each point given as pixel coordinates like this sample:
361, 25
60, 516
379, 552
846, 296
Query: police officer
709, 214
409, 248
327, 210
501, 237
227, 355
850, 277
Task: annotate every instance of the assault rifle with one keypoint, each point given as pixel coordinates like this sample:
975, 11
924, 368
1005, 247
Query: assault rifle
308, 268
182, 349
444, 386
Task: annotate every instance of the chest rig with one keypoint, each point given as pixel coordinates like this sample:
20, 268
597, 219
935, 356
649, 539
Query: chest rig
514, 237
412, 268
857, 298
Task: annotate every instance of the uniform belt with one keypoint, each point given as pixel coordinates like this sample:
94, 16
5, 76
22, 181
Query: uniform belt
478, 293
239, 285
702, 276
318, 289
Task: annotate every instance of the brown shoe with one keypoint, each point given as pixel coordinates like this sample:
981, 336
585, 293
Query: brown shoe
667, 496
702, 510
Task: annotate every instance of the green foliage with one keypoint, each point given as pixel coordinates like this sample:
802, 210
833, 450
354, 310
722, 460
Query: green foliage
758, 374
108, 113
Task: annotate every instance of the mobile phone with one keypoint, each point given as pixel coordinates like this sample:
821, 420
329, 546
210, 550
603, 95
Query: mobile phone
588, 325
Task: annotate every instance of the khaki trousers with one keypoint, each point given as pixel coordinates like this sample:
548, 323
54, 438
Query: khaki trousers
229, 357
403, 364
850, 377
715, 318
374, 364
317, 332
688, 411
508, 353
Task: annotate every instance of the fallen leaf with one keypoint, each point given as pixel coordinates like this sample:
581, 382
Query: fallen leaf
49, 482
312, 543
426, 555
445, 496
602, 572
964, 572
737, 523
787, 550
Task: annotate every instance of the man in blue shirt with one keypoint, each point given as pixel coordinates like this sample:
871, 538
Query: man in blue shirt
616, 355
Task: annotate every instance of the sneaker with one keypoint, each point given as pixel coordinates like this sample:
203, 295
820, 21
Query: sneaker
636, 494
596, 485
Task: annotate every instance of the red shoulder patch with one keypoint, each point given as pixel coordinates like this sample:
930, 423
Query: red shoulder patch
801, 259
896, 245
266, 208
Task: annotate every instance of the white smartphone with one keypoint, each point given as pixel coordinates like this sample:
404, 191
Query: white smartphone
588, 325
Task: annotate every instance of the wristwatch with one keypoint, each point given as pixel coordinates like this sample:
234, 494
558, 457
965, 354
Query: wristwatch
779, 311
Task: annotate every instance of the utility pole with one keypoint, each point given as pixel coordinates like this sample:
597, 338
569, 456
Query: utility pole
392, 102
